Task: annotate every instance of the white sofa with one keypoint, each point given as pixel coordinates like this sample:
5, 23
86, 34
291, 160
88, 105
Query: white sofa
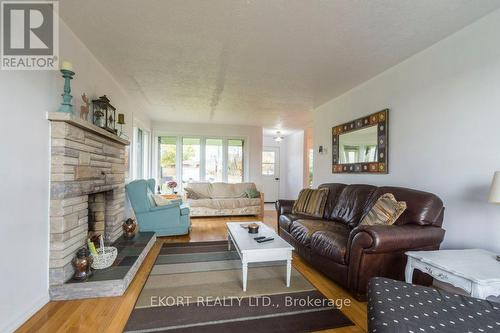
222, 199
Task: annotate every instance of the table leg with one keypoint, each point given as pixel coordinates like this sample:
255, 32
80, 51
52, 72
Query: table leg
288, 272
245, 272
409, 271
477, 292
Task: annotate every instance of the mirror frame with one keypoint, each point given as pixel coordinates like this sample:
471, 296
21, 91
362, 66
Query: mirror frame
381, 119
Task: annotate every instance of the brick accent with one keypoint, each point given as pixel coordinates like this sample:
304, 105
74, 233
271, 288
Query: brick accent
83, 164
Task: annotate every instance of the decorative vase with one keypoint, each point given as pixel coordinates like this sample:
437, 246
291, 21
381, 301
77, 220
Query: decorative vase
81, 264
129, 227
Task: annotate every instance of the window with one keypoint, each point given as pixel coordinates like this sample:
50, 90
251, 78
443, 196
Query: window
168, 159
268, 163
193, 159
311, 165
213, 160
235, 161
141, 154
190, 160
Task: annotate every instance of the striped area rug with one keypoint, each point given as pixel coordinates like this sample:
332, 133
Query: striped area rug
197, 287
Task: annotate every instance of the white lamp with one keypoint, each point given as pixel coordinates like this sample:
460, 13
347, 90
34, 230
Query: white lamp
495, 188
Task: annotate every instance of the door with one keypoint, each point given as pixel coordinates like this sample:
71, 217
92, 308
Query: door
271, 173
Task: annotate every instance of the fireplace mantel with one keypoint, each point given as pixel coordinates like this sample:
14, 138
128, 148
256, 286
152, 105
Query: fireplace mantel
85, 125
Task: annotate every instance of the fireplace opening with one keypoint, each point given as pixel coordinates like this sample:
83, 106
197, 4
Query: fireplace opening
97, 214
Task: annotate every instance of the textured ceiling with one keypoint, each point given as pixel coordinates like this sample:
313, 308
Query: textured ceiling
256, 62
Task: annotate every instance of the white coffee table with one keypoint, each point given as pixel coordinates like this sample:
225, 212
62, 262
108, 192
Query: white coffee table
475, 271
251, 251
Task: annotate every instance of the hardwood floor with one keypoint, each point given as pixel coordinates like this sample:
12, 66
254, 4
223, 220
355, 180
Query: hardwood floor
110, 314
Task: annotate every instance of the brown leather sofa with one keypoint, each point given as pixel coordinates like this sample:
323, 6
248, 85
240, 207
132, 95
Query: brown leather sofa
350, 254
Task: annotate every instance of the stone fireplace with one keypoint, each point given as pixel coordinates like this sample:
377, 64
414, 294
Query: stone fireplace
87, 189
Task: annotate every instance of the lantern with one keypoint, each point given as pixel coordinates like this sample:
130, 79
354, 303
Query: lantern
104, 114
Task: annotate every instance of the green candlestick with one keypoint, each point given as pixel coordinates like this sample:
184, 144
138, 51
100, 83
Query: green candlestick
66, 105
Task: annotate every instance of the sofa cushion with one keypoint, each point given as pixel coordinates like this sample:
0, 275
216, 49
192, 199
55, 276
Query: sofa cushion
229, 203
422, 208
351, 204
302, 230
385, 211
225, 190
331, 244
199, 190
311, 202
334, 190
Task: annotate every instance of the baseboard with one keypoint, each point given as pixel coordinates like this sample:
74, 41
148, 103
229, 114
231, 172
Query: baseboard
21, 319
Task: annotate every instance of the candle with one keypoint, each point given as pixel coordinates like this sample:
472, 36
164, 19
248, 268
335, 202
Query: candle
67, 66
102, 244
121, 118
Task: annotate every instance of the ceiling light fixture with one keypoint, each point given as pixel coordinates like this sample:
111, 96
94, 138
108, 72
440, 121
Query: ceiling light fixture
278, 137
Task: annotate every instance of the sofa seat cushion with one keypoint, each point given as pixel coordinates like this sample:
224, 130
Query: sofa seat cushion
303, 229
331, 244
224, 203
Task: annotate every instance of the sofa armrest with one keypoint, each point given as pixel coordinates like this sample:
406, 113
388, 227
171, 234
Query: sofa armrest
393, 238
284, 206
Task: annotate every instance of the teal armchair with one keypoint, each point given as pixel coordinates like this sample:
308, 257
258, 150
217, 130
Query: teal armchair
169, 220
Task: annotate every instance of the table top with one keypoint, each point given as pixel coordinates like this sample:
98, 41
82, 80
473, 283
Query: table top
245, 241
476, 265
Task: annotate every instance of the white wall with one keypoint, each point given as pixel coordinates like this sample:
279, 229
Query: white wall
24, 172
295, 167
444, 129
251, 134
292, 163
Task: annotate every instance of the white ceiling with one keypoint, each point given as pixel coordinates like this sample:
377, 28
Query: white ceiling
256, 62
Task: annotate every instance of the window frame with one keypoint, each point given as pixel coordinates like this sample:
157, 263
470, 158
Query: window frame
141, 155
203, 140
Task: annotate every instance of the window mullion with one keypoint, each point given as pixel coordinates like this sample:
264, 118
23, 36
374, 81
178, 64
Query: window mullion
224, 160
203, 171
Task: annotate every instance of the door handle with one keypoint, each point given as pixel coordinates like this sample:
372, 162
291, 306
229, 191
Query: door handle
276, 179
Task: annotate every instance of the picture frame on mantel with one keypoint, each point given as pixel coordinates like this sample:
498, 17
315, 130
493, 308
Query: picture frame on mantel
362, 145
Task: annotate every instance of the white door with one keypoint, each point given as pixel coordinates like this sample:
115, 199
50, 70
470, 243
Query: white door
271, 173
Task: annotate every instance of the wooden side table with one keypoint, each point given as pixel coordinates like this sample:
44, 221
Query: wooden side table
475, 271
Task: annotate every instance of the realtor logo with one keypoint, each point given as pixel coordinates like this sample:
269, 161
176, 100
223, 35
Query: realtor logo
30, 35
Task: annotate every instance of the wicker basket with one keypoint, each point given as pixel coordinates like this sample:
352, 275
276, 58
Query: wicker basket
106, 259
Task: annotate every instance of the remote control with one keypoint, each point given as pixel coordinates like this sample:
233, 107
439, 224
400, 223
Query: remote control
265, 240
259, 238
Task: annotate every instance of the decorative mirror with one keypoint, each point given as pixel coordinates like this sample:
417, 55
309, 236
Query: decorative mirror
362, 145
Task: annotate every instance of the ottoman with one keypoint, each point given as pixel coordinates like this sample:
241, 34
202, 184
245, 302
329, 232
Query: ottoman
395, 306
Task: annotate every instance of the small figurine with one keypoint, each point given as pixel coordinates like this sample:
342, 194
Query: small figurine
84, 109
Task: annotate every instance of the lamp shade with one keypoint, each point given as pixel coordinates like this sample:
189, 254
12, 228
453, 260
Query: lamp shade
495, 188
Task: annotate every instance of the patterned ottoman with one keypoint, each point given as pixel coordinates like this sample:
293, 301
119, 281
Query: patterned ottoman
395, 306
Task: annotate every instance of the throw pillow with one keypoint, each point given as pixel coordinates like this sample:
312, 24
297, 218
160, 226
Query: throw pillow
385, 211
190, 194
252, 193
161, 201
311, 202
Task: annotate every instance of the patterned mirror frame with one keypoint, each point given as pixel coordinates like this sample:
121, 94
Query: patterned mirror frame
381, 119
